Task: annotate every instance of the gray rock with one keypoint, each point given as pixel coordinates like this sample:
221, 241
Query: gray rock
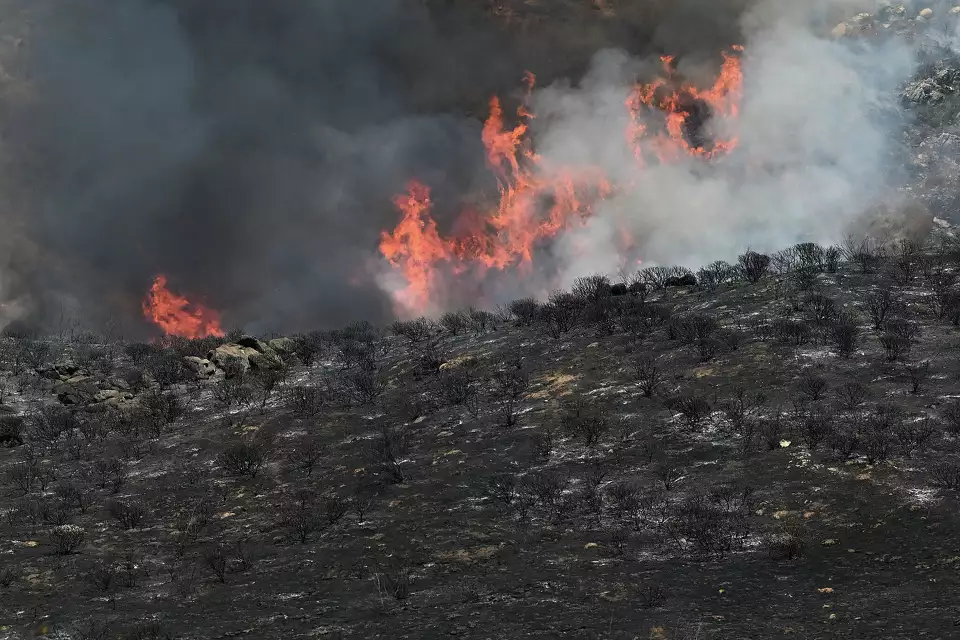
63, 370
283, 346
200, 366
223, 355
265, 361
253, 343
79, 391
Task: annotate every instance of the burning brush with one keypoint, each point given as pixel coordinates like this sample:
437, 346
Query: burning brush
538, 200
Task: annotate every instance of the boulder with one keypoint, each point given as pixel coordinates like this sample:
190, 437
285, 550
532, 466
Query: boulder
231, 351
253, 343
265, 361
76, 391
202, 367
840, 30
926, 14
283, 346
63, 370
247, 356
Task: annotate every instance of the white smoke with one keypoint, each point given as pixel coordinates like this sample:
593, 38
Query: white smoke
815, 137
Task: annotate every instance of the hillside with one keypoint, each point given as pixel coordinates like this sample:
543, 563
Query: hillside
763, 450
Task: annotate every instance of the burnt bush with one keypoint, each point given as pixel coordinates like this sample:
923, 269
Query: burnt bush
740, 408
542, 444
166, 368
308, 346
244, 458
914, 434
67, 538
648, 374
795, 332
365, 386
457, 385
482, 321
110, 474
881, 304
715, 274
583, 419
560, 314
879, 432
387, 450
74, 495
129, 513
306, 453
12, 430
548, 489
525, 311
865, 252
844, 333
591, 289
510, 385
702, 526
945, 475
896, 347
820, 309
810, 256
138, 352
415, 331
950, 414
917, 374
693, 408
812, 387
815, 426
307, 401
753, 265
850, 395
831, 258
456, 322
787, 542
658, 277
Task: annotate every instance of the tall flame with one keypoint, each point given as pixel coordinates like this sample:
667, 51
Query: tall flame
176, 315
536, 200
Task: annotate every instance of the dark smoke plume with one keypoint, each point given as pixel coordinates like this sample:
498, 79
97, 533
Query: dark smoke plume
249, 149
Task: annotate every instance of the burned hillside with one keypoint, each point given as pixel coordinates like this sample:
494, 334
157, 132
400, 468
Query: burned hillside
753, 450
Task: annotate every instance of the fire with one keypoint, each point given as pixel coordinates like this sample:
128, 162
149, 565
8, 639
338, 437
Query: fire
678, 104
176, 315
537, 200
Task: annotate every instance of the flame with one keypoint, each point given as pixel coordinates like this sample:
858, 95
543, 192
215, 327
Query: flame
537, 200
722, 100
176, 315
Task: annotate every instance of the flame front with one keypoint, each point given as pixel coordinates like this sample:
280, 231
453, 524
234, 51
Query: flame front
537, 200
176, 315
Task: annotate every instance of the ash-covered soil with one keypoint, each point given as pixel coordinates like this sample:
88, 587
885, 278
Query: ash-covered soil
771, 452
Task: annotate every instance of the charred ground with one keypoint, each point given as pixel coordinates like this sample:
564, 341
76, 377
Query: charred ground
767, 449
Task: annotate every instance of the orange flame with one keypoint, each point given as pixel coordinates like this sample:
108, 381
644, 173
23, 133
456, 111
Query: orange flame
176, 315
722, 99
538, 201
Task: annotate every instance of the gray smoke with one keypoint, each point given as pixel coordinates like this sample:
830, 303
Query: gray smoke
817, 130
249, 150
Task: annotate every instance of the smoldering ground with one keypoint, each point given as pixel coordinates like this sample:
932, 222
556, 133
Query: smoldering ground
249, 150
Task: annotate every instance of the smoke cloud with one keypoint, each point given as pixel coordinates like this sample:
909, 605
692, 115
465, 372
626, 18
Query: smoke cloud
249, 150
817, 132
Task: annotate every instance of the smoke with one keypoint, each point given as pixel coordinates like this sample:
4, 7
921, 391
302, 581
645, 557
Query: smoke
249, 150
818, 136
